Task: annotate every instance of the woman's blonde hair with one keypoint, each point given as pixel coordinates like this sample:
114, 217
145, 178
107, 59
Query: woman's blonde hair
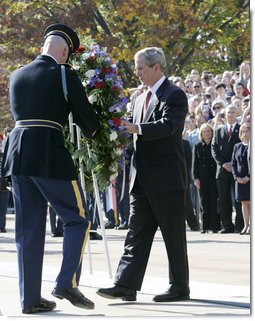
204, 126
244, 125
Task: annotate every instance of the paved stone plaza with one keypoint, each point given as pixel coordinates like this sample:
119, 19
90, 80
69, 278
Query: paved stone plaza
219, 277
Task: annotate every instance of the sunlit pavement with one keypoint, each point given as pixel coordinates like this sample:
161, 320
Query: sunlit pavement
219, 277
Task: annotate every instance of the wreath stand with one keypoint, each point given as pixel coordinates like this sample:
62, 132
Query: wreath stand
97, 196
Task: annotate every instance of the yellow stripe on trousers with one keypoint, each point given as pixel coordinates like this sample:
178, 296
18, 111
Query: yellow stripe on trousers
82, 213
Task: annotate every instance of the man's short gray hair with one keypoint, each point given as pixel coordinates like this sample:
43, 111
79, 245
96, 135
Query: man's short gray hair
153, 55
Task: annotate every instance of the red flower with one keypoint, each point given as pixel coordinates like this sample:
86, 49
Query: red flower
117, 121
92, 58
100, 85
117, 90
81, 49
106, 70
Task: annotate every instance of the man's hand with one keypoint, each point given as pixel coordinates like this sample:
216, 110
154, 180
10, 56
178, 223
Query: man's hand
239, 180
228, 167
246, 179
197, 183
130, 128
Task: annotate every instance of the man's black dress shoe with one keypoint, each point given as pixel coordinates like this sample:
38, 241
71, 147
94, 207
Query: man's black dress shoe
227, 231
3, 230
43, 306
74, 296
118, 292
57, 234
172, 295
122, 227
95, 236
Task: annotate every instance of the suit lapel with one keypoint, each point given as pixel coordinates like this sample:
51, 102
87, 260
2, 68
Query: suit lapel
155, 100
138, 110
152, 105
236, 130
162, 88
225, 131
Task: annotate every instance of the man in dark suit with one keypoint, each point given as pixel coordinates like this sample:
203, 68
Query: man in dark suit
190, 215
43, 171
224, 139
158, 183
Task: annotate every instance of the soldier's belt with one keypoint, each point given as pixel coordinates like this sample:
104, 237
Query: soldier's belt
38, 123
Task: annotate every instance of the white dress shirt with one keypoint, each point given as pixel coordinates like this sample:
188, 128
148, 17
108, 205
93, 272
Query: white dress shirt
153, 91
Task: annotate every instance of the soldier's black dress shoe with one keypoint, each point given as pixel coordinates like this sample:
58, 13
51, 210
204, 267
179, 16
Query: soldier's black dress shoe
74, 296
3, 230
173, 295
109, 225
95, 236
43, 306
118, 292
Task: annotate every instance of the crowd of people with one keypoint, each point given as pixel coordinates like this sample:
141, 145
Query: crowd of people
219, 114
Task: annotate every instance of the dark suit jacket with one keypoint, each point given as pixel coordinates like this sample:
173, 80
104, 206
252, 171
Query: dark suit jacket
188, 157
36, 92
158, 160
203, 162
240, 161
222, 148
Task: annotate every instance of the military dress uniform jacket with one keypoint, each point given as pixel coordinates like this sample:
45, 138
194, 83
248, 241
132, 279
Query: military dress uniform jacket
36, 92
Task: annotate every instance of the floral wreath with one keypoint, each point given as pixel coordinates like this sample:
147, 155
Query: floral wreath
104, 88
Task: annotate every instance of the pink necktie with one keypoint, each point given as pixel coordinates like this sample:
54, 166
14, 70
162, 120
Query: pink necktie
146, 102
230, 132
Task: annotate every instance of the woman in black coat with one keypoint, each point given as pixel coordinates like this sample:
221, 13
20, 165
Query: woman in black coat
241, 173
204, 173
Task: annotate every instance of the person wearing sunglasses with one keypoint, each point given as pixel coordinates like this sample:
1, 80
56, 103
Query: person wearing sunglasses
197, 87
217, 111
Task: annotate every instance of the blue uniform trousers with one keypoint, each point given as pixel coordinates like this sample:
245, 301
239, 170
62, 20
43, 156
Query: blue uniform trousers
56, 225
31, 195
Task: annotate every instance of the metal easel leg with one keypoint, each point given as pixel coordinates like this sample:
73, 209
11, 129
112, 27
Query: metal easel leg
97, 197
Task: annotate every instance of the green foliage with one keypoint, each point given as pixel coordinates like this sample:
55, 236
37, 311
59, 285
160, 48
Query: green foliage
105, 154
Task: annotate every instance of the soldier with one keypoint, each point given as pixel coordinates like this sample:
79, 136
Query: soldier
42, 169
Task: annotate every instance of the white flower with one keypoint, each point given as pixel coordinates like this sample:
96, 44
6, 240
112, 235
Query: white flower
85, 56
119, 151
113, 136
76, 66
90, 73
117, 109
92, 99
